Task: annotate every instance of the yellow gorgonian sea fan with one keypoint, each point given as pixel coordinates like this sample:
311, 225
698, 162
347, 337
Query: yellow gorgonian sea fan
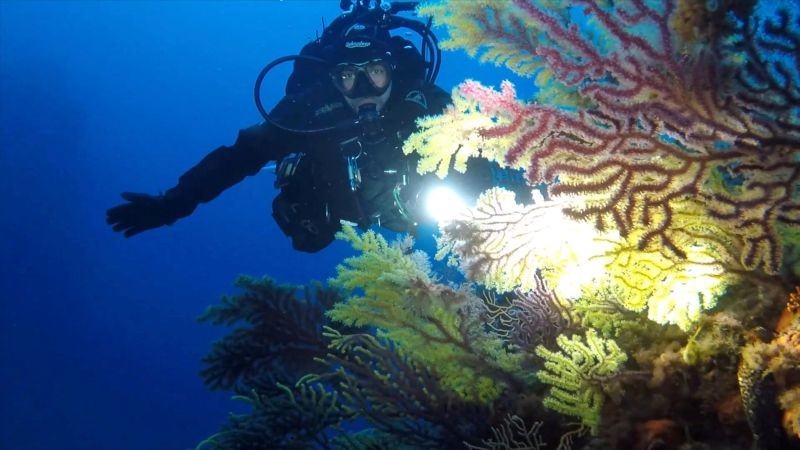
676, 289
492, 31
448, 140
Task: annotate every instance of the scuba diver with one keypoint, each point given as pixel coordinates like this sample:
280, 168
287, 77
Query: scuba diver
335, 137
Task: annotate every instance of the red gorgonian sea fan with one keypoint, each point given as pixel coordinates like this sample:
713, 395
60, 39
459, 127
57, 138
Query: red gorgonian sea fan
654, 120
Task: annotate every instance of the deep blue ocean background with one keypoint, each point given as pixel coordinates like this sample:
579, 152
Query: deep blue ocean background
99, 348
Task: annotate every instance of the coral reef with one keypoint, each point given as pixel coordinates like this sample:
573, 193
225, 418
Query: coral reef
529, 318
284, 332
769, 374
513, 434
664, 122
398, 396
441, 324
648, 294
278, 338
577, 374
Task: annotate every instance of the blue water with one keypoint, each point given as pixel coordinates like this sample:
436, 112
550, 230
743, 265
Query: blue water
99, 348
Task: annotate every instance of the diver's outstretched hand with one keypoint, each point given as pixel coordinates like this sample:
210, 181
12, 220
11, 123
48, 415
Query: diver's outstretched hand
142, 212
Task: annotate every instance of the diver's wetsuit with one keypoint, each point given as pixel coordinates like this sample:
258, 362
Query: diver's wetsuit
315, 188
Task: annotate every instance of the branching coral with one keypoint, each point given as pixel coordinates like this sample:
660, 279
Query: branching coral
577, 374
675, 290
762, 53
376, 277
398, 396
513, 434
462, 120
369, 439
435, 324
529, 318
662, 123
296, 417
502, 244
280, 332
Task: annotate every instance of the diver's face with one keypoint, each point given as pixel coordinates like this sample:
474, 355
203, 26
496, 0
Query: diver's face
376, 72
364, 83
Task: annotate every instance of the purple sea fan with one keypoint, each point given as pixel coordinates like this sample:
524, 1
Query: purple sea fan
530, 318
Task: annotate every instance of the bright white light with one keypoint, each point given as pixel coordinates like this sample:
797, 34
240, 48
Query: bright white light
443, 204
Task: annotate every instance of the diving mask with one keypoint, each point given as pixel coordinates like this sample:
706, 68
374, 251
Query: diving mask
366, 79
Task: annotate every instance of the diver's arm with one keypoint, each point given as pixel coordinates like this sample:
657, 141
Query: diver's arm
254, 148
216, 172
225, 166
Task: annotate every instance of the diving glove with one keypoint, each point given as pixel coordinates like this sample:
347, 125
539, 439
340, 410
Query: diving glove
144, 212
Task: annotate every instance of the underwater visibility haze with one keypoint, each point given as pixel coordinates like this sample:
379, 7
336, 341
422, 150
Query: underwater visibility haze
648, 297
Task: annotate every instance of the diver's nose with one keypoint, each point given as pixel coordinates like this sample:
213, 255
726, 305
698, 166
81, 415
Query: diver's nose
362, 87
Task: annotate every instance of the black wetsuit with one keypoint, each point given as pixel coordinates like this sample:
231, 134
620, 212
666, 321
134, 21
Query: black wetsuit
316, 189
